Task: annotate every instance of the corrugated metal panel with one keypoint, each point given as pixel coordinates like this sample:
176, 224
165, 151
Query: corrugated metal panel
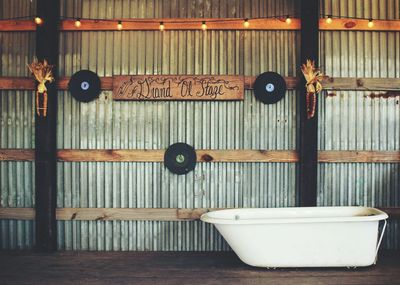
152, 125
17, 127
352, 120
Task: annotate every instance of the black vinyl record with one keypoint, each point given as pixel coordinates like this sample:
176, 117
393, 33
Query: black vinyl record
269, 87
180, 158
84, 86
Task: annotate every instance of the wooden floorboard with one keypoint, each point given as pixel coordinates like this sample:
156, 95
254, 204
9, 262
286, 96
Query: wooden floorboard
99, 268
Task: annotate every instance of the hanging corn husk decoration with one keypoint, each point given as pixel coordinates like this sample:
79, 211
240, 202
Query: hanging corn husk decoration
313, 77
42, 73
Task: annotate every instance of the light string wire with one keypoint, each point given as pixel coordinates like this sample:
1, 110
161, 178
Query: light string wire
198, 20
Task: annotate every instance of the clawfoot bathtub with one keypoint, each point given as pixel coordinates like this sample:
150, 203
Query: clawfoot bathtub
301, 237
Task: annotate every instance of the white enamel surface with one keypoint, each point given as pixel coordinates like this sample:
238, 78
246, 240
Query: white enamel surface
301, 237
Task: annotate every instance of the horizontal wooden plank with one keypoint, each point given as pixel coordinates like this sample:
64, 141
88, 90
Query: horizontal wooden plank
117, 214
212, 24
28, 83
362, 84
138, 155
359, 25
332, 83
337, 156
158, 155
17, 213
229, 155
129, 214
17, 25
20, 154
182, 24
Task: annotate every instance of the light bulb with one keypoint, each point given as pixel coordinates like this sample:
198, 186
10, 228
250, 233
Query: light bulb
38, 20
78, 23
204, 26
119, 26
329, 20
162, 26
370, 23
246, 23
288, 20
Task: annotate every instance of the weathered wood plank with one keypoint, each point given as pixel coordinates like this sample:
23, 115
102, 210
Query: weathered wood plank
247, 155
17, 25
17, 83
332, 83
362, 84
212, 24
240, 155
17, 213
158, 155
17, 154
358, 25
178, 87
139, 155
131, 214
117, 214
182, 24
337, 156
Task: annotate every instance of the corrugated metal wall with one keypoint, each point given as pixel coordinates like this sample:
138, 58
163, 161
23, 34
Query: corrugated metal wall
17, 128
348, 120
351, 120
152, 125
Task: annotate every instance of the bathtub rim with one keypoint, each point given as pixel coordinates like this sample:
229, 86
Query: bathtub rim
374, 215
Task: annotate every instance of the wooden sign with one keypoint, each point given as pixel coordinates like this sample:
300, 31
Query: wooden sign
178, 87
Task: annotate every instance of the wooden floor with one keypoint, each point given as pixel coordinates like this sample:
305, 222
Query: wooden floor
176, 268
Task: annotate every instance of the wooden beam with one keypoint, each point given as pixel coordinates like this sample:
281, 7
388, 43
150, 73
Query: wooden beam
332, 83
47, 39
158, 155
308, 128
17, 26
359, 25
349, 24
361, 84
210, 155
17, 154
338, 156
131, 214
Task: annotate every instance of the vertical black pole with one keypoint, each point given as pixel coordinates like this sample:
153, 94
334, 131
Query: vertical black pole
308, 128
46, 159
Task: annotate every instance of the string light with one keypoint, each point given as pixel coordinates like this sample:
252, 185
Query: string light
38, 20
119, 26
204, 26
288, 20
370, 23
162, 26
246, 23
77, 23
329, 19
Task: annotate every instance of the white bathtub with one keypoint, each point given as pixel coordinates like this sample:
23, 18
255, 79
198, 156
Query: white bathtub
301, 237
